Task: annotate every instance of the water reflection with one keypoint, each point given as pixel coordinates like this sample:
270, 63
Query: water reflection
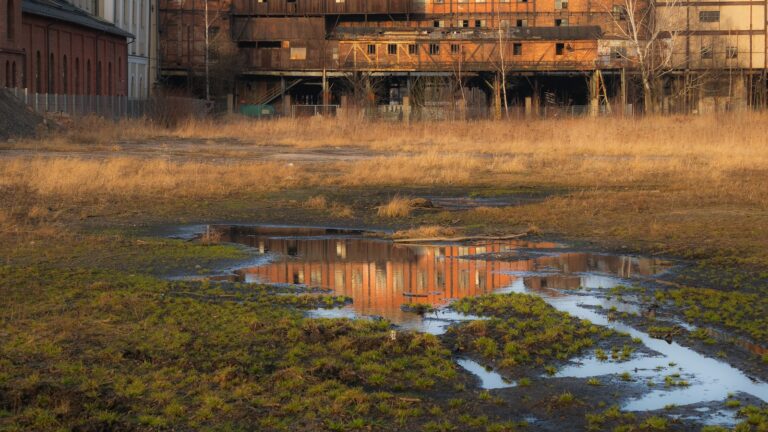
381, 276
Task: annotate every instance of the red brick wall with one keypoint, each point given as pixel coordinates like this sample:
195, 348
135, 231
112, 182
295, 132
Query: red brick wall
11, 56
84, 62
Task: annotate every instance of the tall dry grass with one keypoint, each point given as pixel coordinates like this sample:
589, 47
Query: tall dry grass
709, 158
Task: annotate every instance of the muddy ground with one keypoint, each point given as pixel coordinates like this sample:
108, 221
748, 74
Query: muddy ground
131, 239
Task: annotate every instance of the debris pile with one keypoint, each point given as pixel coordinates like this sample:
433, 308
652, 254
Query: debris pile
17, 120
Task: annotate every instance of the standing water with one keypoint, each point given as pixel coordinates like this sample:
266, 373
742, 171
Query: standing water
381, 277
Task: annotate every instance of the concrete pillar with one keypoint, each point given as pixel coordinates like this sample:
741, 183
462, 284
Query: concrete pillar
594, 94
230, 103
462, 105
496, 98
407, 109
739, 93
287, 105
528, 106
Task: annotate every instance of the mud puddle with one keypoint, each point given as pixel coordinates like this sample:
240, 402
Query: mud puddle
384, 278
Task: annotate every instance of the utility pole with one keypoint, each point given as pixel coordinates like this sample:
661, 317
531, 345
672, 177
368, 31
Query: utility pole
207, 49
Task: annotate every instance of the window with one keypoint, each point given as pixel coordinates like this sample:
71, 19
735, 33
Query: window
618, 53
561, 4
521, 23
561, 22
38, 73
517, 49
77, 75
706, 52
465, 23
88, 77
392, 49
619, 12
51, 75
372, 49
709, 16
479, 23
412, 49
434, 49
98, 79
455, 48
731, 52
10, 19
298, 53
64, 76
559, 48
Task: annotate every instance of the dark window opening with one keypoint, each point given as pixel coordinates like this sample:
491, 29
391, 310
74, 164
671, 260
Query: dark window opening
412, 49
371, 49
517, 49
455, 48
392, 49
559, 48
434, 49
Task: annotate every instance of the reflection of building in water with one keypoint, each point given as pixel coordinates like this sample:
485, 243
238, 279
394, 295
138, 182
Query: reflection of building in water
381, 276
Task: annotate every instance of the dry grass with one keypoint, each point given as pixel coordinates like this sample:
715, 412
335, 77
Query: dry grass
673, 179
426, 231
317, 202
397, 207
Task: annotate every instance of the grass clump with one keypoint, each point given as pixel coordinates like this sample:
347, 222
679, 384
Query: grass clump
397, 207
523, 332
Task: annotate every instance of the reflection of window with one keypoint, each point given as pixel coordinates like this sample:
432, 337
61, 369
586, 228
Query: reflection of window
357, 279
480, 280
339, 279
439, 278
398, 280
316, 277
298, 277
341, 249
464, 279
731, 52
421, 280
381, 278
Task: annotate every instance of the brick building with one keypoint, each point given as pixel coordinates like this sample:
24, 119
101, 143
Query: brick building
58, 48
11, 53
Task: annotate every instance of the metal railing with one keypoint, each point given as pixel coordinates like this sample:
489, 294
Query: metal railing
111, 107
314, 110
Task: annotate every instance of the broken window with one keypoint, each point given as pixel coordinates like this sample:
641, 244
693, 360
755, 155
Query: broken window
455, 48
392, 49
434, 49
517, 49
559, 48
706, 52
731, 52
709, 16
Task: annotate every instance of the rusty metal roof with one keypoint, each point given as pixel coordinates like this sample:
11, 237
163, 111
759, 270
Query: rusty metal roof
63, 11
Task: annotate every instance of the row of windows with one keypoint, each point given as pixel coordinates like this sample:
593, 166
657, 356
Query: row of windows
707, 53
54, 74
435, 48
558, 22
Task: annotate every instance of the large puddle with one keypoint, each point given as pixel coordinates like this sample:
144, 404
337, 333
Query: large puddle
382, 277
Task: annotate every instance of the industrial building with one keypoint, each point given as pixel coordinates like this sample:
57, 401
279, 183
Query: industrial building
424, 53
53, 47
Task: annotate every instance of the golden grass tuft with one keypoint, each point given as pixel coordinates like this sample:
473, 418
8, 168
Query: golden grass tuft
426, 231
397, 207
317, 202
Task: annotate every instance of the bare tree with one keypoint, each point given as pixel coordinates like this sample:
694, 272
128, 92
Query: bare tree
651, 37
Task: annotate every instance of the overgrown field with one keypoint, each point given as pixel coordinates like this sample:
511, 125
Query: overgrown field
93, 336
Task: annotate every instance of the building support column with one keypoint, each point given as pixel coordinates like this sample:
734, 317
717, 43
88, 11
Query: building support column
496, 97
594, 94
623, 92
